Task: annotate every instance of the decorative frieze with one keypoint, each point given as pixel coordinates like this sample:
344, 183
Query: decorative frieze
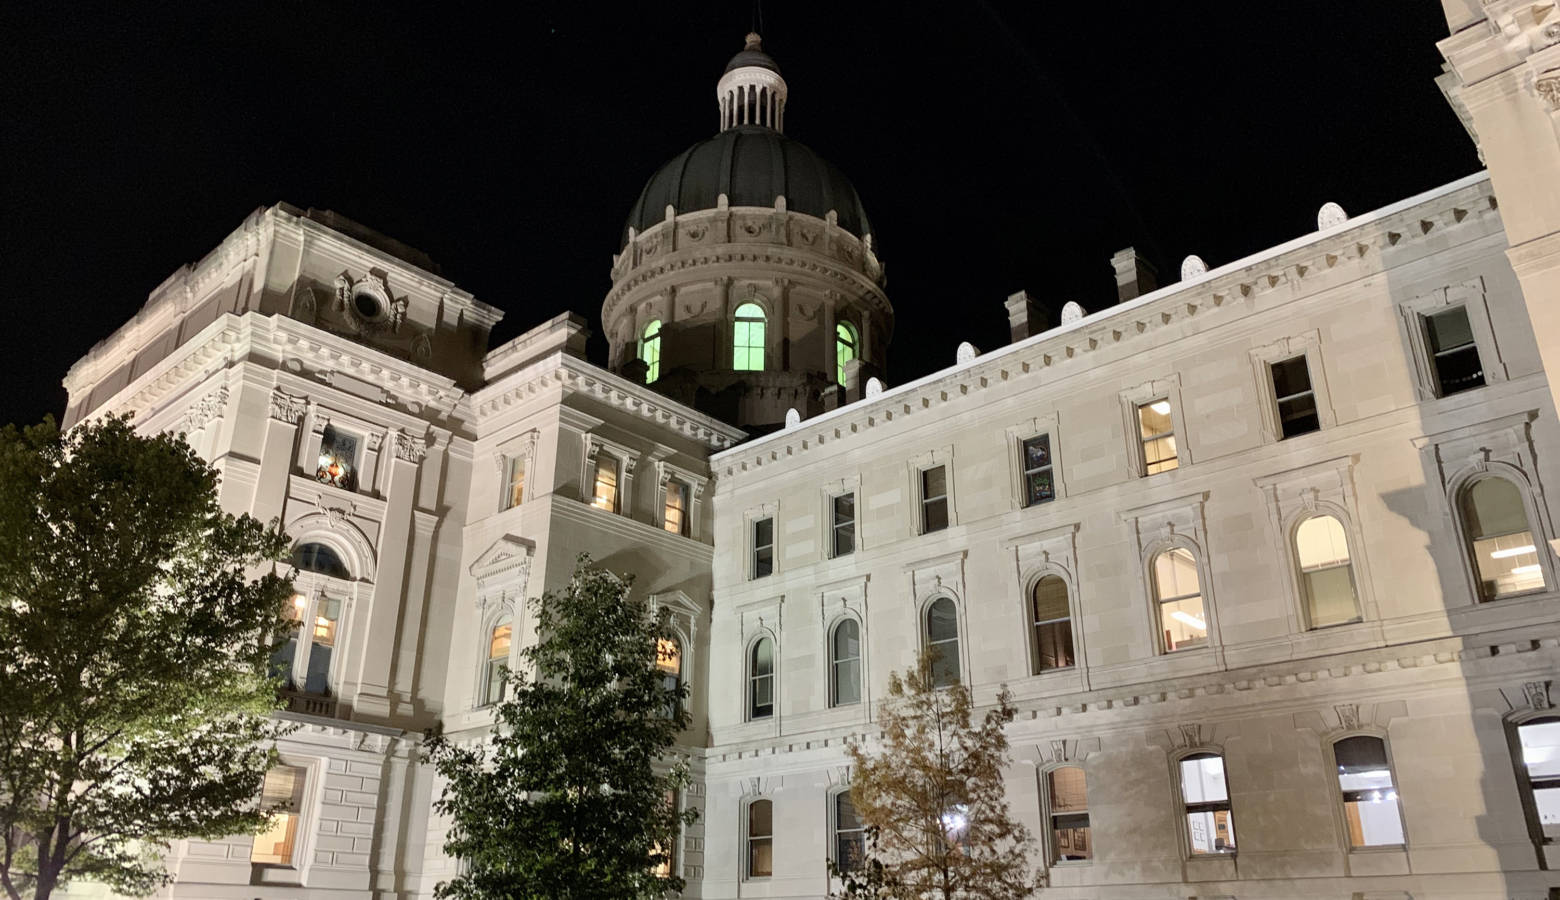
287, 408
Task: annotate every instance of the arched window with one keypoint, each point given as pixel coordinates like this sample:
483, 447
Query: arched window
760, 839
668, 661
499, 640
761, 680
1500, 539
1326, 574
942, 640
1370, 801
1053, 643
1209, 826
650, 350
850, 834
1067, 799
845, 663
747, 338
1178, 594
845, 348
1540, 774
315, 557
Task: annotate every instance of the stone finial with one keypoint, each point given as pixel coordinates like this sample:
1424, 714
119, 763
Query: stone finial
1072, 311
792, 418
1192, 266
966, 353
874, 387
1330, 215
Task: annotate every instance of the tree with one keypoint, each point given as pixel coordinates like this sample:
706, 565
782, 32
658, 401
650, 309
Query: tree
134, 691
934, 793
565, 799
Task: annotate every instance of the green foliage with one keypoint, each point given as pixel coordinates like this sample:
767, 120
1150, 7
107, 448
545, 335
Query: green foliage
134, 694
564, 801
934, 794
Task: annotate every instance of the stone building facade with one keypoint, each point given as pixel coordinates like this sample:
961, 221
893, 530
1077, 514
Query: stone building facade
1265, 556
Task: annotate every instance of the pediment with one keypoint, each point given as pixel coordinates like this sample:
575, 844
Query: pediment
506, 553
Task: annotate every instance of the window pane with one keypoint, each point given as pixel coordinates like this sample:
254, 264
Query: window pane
1374, 820
844, 524
1053, 645
1070, 834
1202, 779
338, 459
1037, 452
847, 682
675, 517
934, 483
1183, 624
604, 491
1329, 596
1320, 543
1159, 455
1175, 574
764, 657
847, 640
1503, 548
763, 532
314, 557
935, 515
516, 488
1154, 419
1540, 741
1449, 330
283, 789
1453, 352
1211, 832
760, 846
941, 623
1069, 790
1291, 377
1297, 415
1370, 800
849, 833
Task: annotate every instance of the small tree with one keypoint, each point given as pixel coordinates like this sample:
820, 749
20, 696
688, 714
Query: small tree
134, 692
935, 795
565, 800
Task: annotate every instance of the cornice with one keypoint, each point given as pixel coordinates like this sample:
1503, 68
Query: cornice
1355, 250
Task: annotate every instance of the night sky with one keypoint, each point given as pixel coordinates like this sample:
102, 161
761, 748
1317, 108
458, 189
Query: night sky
996, 147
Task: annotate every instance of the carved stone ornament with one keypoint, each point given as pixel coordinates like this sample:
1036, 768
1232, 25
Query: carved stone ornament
1072, 311
1537, 694
1192, 266
335, 516
1348, 715
409, 449
1191, 735
1331, 215
205, 410
1549, 91
792, 418
304, 307
285, 408
966, 353
874, 387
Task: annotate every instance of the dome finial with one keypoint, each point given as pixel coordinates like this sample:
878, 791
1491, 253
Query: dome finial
751, 92
754, 42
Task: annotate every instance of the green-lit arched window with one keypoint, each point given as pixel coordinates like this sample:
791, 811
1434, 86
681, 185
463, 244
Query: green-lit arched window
650, 350
747, 339
845, 347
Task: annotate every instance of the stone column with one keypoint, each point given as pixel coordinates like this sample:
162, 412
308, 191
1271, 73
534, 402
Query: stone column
379, 648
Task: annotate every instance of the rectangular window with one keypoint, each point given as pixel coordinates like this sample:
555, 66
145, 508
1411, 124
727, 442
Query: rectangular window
322, 645
934, 499
1038, 484
675, 518
763, 547
514, 489
1156, 428
843, 529
1540, 740
283, 792
338, 459
850, 834
1069, 813
605, 490
1453, 354
760, 835
1209, 826
1296, 400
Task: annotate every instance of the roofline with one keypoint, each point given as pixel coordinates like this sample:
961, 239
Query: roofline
1094, 319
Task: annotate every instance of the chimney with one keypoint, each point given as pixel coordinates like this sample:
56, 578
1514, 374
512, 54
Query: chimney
855, 380
1026, 318
1135, 275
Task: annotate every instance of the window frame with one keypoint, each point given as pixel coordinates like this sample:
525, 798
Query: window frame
679, 678
762, 321
834, 524
748, 838
1433, 355
359, 455
833, 813
750, 687
1184, 808
754, 546
1308, 345
1048, 815
1534, 715
959, 639
833, 661
317, 588
1156, 610
650, 344
923, 501
1340, 799
308, 819
1298, 572
626, 458
1472, 296
512, 465
1167, 389
852, 342
485, 696
676, 487
1033, 625
1025, 472
1518, 481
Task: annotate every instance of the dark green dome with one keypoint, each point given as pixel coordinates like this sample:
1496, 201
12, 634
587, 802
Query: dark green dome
751, 165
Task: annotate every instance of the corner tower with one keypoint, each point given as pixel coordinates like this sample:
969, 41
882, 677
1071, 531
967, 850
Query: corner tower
747, 283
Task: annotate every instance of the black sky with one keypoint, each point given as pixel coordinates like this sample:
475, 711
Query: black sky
995, 146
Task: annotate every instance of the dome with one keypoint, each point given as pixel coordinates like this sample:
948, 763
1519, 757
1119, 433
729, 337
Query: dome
751, 165
752, 54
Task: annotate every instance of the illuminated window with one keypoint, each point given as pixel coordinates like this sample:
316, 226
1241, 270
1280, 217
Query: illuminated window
1039, 487
315, 557
668, 856
495, 686
322, 645
650, 350
748, 338
1500, 539
1453, 353
845, 663
1209, 826
604, 492
675, 516
338, 459
1156, 429
514, 482
760, 839
845, 348
1053, 643
843, 528
1326, 575
1178, 593
934, 499
668, 661
761, 680
1539, 775
942, 640
1067, 799
285, 656
1370, 800
283, 795
850, 834
1295, 397
304, 658
763, 546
